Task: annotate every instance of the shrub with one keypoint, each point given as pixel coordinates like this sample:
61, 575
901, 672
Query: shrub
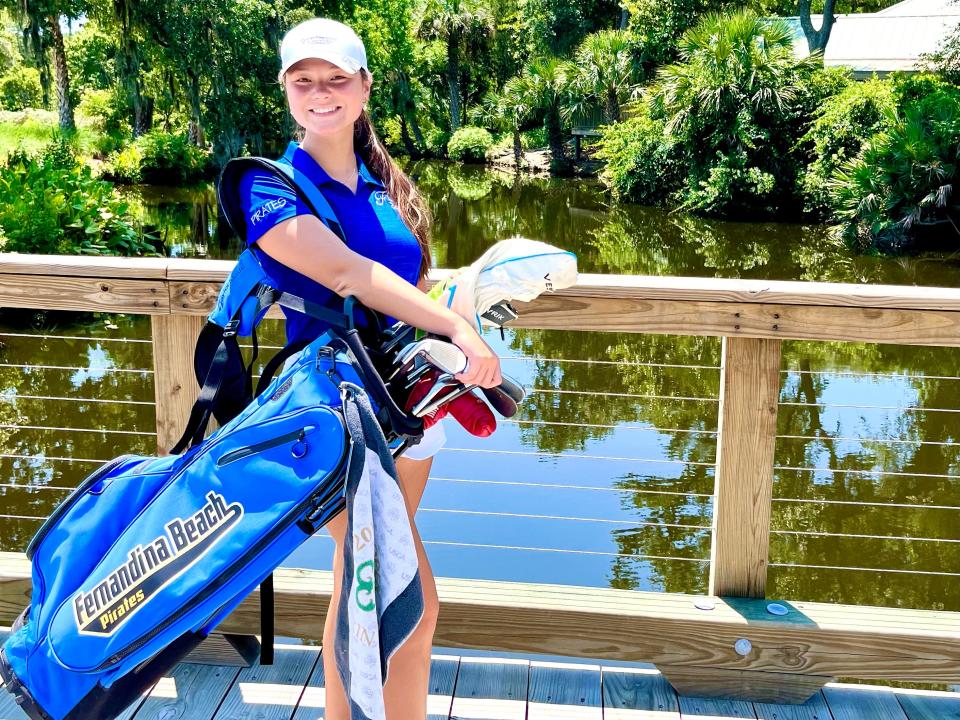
106, 109
52, 204
842, 125
734, 106
902, 186
20, 88
640, 162
159, 158
469, 144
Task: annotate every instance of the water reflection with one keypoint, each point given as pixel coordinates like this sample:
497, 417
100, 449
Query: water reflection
605, 476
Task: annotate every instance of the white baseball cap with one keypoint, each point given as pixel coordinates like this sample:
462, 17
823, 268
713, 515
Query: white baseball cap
323, 39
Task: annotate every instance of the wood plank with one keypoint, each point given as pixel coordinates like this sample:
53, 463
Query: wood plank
749, 394
929, 704
175, 383
696, 708
784, 322
313, 701
85, 294
199, 298
637, 694
611, 624
564, 691
270, 692
443, 682
89, 266
190, 692
769, 687
813, 709
862, 702
491, 689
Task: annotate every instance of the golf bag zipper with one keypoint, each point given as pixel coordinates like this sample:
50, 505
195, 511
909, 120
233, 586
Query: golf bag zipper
227, 574
299, 449
72, 498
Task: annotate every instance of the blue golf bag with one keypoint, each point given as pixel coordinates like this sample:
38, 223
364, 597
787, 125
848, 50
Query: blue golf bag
148, 554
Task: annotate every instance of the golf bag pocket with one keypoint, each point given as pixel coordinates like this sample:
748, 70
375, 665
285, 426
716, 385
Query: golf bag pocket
148, 554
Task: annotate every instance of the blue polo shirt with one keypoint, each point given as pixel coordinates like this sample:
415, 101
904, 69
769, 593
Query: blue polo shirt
370, 222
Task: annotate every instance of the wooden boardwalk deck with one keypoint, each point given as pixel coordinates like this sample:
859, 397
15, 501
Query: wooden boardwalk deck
500, 689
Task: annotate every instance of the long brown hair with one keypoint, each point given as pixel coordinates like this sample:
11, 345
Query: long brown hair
400, 188
402, 192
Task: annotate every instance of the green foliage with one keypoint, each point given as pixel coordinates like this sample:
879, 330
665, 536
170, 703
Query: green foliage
606, 73
52, 204
20, 89
841, 126
902, 186
554, 27
734, 106
469, 144
658, 25
159, 158
107, 109
640, 157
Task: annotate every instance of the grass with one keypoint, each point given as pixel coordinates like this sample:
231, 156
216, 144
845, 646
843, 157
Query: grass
31, 129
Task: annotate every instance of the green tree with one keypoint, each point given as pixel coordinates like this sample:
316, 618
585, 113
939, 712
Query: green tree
731, 103
40, 21
456, 23
606, 73
508, 110
546, 84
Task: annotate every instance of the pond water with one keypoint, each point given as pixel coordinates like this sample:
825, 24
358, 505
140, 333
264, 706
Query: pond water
605, 477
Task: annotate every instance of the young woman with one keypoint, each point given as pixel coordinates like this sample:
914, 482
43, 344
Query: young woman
383, 263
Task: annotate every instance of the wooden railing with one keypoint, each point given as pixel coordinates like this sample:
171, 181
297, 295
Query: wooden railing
730, 645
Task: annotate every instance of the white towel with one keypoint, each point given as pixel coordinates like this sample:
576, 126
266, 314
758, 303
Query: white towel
381, 599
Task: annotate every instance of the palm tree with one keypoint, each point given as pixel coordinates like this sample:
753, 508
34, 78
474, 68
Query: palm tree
606, 71
454, 22
40, 21
732, 66
546, 84
508, 109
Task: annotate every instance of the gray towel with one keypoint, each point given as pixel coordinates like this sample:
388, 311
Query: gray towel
381, 600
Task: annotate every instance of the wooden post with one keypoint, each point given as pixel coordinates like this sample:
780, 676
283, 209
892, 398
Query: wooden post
175, 384
749, 393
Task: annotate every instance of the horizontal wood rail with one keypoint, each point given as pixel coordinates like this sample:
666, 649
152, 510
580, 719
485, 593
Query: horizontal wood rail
784, 659
737, 640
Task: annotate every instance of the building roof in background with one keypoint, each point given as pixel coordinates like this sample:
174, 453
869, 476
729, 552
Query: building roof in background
893, 39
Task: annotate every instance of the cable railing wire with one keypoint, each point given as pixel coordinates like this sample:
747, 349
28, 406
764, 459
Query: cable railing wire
904, 408
861, 503
852, 373
863, 536
892, 441
24, 366
892, 473
557, 486
77, 337
5, 426
534, 516
578, 457
865, 569
16, 396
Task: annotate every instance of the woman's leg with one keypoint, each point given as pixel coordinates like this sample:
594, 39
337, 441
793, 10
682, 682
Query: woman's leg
405, 694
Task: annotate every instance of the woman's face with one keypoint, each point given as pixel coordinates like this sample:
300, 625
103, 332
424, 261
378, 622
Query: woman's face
323, 98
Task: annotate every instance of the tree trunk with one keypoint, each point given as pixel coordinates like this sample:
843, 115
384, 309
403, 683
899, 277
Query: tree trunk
517, 148
624, 18
195, 127
61, 76
612, 106
407, 140
418, 133
453, 78
817, 39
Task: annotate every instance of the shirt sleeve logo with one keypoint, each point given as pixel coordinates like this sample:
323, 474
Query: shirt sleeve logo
267, 208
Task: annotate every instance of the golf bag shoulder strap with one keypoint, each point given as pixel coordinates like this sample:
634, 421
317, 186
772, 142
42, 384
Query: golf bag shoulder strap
225, 379
228, 192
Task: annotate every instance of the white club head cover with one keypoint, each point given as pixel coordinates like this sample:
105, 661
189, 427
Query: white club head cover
514, 269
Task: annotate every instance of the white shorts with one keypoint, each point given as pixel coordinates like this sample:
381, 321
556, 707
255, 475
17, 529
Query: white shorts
434, 438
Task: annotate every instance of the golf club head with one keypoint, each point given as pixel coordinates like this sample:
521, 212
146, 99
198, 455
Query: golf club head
512, 388
501, 401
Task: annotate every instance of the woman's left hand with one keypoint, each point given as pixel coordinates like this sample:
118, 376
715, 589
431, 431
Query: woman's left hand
483, 365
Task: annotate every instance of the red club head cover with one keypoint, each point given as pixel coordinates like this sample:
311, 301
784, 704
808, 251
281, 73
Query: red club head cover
473, 413
416, 395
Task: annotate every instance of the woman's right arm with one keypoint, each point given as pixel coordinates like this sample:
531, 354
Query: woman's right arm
304, 244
